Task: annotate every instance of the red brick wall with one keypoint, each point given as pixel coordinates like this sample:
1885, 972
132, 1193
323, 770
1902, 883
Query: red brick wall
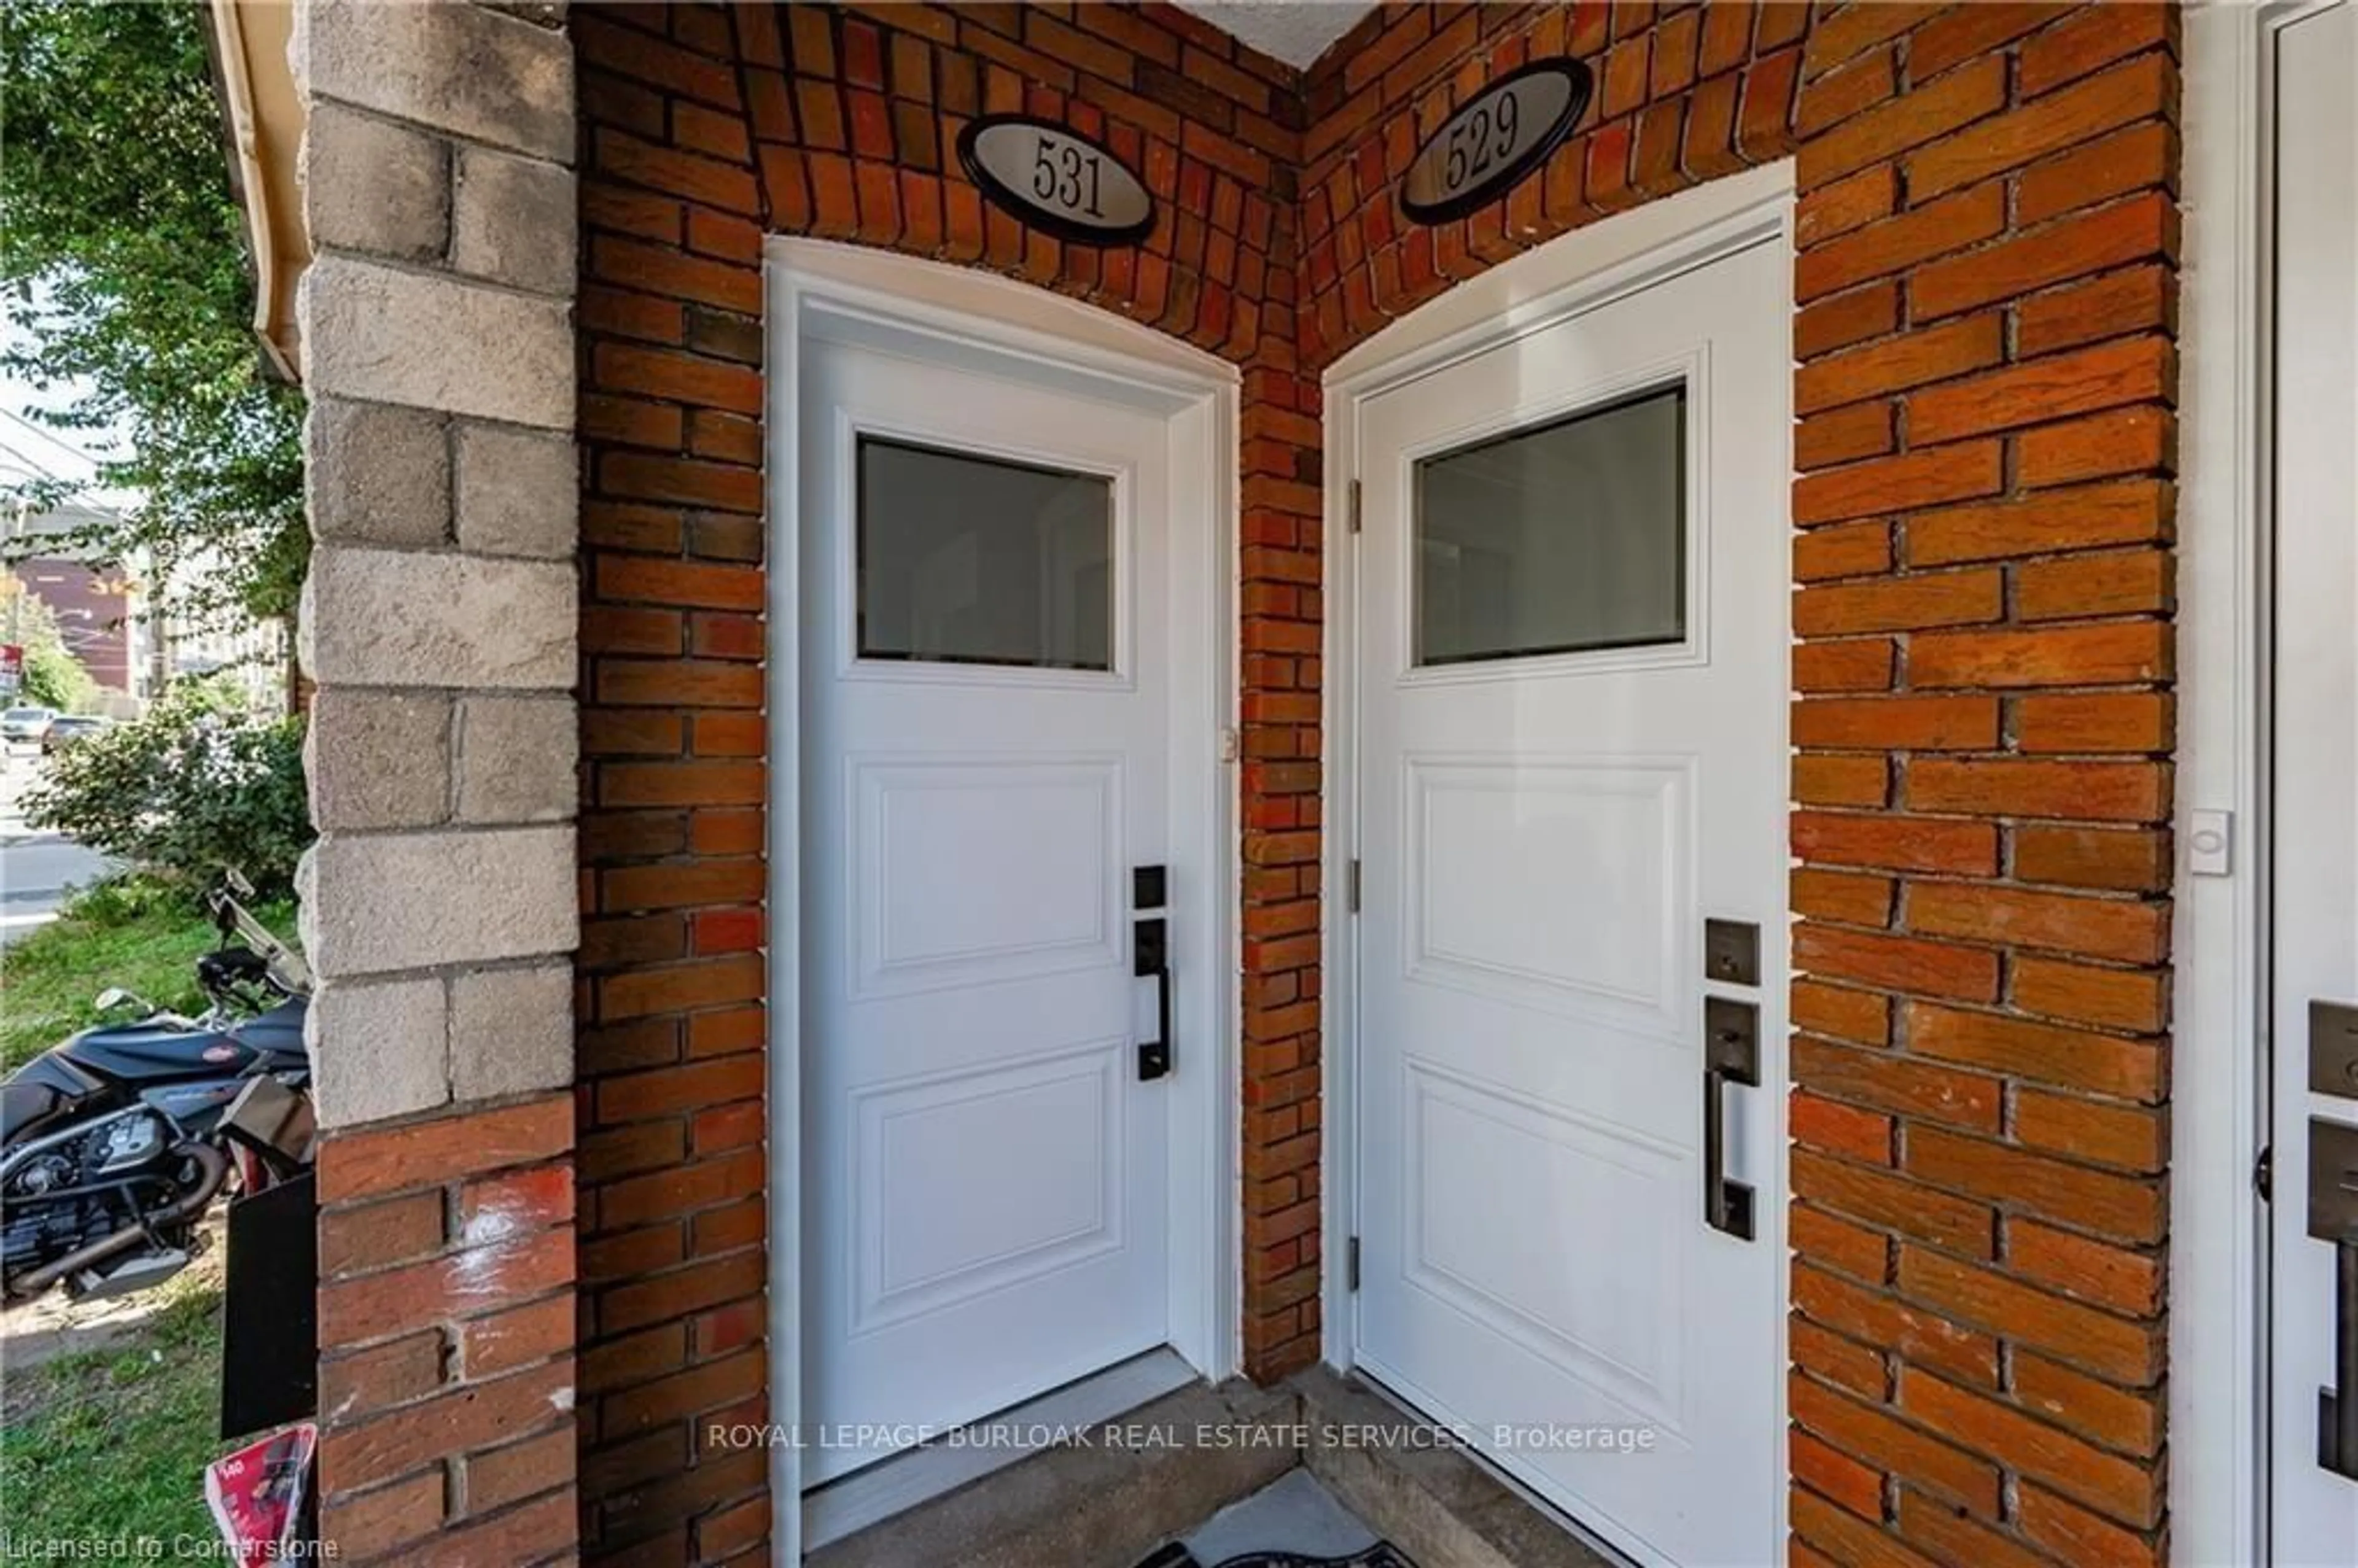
1987, 286
703, 128
1983, 294
446, 1337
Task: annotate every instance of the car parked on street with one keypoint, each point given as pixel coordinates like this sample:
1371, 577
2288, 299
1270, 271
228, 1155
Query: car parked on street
67, 728
26, 723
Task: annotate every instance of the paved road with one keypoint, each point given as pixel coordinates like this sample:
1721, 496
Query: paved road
36, 869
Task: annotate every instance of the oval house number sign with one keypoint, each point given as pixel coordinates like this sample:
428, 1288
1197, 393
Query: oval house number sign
1056, 180
1500, 136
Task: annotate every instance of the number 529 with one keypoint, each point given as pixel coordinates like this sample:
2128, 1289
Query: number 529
1481, 140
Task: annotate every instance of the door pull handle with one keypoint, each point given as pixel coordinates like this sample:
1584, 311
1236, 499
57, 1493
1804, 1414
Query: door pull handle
1731, 1054
2337, 1412
1151, 950
2333, 1216
1151, 957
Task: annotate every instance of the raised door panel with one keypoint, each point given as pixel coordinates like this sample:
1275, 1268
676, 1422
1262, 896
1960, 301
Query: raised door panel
1559, 884
969, 870
1554, 1232
985, 1179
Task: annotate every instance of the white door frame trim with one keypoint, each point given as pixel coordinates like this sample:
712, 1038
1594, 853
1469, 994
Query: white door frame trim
1577, 273
2219, 1371
906, 303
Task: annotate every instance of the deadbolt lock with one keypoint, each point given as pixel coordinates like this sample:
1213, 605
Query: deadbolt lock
1731, 952
2333, 1049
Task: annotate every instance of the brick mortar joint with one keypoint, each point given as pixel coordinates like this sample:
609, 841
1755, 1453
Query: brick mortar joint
408, 266
451, 140
425, 1119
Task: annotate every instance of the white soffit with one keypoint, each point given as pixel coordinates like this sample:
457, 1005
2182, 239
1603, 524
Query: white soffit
1295, 31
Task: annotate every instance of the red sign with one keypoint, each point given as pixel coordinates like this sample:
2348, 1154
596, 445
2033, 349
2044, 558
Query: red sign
12, 666
256, 1494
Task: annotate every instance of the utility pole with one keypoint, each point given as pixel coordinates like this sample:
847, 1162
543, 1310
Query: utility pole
16, 584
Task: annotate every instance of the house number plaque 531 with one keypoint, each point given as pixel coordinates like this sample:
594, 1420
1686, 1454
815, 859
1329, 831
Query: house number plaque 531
1495, 140
1056, 180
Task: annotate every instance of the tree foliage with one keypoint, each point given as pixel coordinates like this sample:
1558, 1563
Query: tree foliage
53, 676
121, 248
197, 786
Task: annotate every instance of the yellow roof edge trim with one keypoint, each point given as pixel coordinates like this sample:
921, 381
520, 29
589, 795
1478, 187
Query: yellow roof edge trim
265, 120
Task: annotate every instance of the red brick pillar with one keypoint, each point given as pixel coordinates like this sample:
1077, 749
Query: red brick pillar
1281, 632
1986, 280
446, 1333
673, 1064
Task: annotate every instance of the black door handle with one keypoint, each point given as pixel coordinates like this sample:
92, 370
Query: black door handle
1151, 955
1153, 958
2337, 1411
1731, 1054
2333, 1216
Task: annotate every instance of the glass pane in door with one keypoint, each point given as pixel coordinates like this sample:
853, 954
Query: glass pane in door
967, 559
1565, 538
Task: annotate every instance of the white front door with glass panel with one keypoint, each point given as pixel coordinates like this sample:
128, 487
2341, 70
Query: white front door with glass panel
984, 742
1573, 587
2314, 1346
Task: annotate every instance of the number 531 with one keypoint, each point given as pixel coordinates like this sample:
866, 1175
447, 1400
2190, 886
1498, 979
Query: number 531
1065, 174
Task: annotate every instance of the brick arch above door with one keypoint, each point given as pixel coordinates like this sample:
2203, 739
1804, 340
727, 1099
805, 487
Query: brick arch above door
1984, 226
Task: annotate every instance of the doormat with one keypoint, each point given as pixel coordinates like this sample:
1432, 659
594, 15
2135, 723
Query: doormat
1383, 1554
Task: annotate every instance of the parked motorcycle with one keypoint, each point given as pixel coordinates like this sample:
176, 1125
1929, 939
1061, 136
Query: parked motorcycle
115, 1144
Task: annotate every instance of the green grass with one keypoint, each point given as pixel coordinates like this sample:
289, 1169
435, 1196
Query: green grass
111, 1445
108, 936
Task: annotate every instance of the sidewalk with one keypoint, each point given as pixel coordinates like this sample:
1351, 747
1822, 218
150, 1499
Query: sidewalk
36, 869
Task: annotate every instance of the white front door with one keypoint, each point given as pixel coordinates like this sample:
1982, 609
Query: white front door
2315, 832
1572, 575
985, 737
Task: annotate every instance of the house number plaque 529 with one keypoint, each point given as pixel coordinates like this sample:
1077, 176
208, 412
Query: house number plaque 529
1056, 180
1495, 140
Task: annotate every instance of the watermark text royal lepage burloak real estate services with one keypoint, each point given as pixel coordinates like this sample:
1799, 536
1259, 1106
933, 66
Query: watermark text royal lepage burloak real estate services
1536, 1437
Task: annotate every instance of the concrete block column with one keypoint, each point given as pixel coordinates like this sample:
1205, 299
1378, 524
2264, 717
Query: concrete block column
439, 908
439, 619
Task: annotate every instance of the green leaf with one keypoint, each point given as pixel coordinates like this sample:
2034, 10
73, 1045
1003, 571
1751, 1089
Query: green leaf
122, 251
196, 787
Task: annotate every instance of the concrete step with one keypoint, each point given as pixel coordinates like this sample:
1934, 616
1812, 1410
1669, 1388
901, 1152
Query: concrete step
1438, 1505
1109, 1502
1103, 1504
